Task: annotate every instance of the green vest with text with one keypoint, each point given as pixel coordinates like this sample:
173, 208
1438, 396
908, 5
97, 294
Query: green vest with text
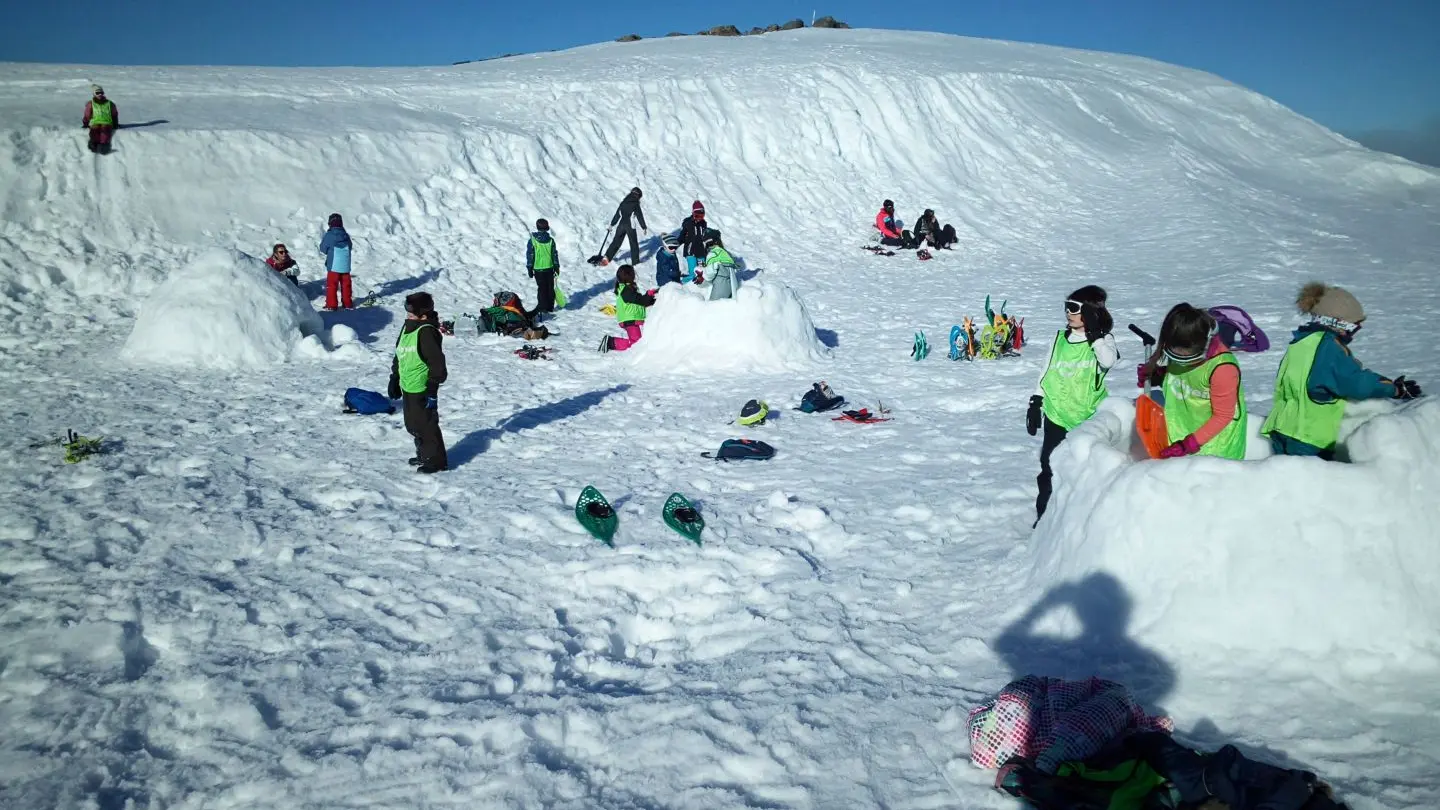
1295, 414
544, 254
1187, 408
1073, 384
102, 114
414, 373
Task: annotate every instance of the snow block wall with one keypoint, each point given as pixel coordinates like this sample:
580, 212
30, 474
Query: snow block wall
1255, 557
224, 310
765, 327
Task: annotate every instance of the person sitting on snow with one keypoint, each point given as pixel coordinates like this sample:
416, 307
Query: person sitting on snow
335, 246
722, 269
693, 234
1318, 375
890, 233
281, 262
929, 232
630, 306
101, 118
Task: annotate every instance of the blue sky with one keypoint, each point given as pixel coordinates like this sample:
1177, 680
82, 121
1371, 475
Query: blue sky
1353, 65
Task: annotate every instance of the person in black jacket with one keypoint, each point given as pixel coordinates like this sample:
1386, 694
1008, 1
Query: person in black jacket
694, 232
416, 374
929, 232
629, 207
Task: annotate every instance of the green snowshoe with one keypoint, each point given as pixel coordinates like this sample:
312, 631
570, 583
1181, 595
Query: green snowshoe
683, 517
595, 514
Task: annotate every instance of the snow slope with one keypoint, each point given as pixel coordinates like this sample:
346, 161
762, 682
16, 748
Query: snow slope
251, 602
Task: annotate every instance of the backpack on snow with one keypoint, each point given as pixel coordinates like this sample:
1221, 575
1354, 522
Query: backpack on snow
820, 398
358, 400
1238, 330
740, 449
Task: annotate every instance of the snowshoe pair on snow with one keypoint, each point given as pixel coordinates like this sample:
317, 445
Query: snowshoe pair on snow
598, 518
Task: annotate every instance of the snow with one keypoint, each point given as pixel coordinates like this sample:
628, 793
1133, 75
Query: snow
1265, 583
223, 310
765, 327
250, 600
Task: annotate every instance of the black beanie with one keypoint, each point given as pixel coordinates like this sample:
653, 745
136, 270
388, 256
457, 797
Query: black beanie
336, 221
419, 303
542, 225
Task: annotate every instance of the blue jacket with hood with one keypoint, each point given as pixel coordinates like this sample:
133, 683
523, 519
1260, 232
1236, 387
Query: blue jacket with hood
336, 247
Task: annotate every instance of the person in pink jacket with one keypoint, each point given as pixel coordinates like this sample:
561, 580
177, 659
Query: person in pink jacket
890, 233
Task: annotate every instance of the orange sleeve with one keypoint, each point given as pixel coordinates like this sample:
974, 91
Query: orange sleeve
1224, 398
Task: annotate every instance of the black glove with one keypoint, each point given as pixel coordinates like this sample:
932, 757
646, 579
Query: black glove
1406, 389
394, 391
431, 402
1096, 322
530, 273
1032, 416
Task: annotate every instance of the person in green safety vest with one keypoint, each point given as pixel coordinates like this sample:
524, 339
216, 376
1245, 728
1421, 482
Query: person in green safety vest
416, 374
1204, 400
101, 118
1318, 375
1073, 384
630, 306
542, 263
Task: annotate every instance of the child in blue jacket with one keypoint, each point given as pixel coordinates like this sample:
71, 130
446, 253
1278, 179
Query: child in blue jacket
336, 247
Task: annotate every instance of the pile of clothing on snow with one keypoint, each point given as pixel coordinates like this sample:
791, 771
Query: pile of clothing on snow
1087, 745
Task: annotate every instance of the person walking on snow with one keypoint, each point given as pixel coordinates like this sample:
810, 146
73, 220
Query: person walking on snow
542, 263
890, 233
1073, 385
694, 238
630, 306
101, 118
281, 262
416, 374
335, 246
628, 208
1205, 410
1318, 375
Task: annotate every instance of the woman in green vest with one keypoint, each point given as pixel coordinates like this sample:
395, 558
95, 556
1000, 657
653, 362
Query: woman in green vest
1204, 401
630, 306
1319, 374
101, 118
1073, 384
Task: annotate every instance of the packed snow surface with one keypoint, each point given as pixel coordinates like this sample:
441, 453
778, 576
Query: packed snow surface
250, 601
764, 327
226, 310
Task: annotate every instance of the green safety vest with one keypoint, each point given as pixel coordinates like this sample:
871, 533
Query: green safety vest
719, 255
625, 311
1187, 408
102, 113
414, 373
1295, 414
544, 254
1073, 385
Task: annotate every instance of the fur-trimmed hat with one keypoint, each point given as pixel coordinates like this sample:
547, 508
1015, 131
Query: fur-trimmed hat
1336, 303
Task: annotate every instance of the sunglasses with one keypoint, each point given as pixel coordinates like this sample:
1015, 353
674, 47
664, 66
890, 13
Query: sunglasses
281, 252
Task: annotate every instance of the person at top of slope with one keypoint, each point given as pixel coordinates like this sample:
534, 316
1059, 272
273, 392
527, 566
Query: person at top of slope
929, 232
1205, 410
1318, 375
101, 118
628, 208
630, 306
282, 262
542, 263
694, 235
1073, 383
890, 233
335, 246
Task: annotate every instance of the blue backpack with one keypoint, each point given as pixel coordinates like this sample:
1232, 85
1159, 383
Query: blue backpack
358, 400
740, 449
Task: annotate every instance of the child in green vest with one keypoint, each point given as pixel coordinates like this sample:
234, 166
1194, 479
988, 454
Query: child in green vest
416, 374
101, 118
1073, 384
721, 267
630, 306
542, 263
1204, 401
1318, 375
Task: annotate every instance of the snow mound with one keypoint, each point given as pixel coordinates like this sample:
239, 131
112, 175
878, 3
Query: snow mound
224, 310
1280, 554
765, 327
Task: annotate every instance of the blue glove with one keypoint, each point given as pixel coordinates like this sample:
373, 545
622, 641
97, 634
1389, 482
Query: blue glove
431, 403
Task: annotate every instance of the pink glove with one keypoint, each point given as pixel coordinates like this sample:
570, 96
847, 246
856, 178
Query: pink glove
1185, 447
651, 292
1140, 376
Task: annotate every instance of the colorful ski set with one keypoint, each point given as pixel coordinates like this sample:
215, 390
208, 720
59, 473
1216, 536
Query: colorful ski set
1001, 335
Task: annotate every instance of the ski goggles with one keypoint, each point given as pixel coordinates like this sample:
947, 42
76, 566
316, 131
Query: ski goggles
1183, 359
1073, 307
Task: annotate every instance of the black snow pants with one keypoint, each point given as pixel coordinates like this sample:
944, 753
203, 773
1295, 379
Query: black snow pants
424, 425
1054, 434
626, 229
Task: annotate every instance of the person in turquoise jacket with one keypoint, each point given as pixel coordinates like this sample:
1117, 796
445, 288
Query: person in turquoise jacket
335, 246
1319, 374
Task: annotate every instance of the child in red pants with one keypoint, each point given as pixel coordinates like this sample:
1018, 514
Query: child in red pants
630, 306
